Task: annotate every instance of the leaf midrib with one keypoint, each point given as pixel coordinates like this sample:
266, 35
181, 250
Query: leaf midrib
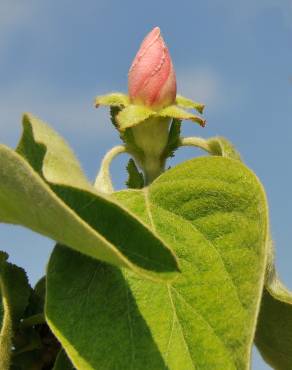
212, 246
169, 286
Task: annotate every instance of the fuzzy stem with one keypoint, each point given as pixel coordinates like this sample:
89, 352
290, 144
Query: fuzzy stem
103, 181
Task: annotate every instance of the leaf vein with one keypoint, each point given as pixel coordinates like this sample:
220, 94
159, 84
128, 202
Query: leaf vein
214, 248
181, 329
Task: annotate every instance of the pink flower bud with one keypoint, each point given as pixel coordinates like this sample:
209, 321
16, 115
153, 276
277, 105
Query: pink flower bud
152, 80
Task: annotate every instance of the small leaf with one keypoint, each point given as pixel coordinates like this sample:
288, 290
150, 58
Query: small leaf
133, 115
274, 329
174, 111
222, 147
113, 100
212, 212
173, 139
14, 293
189, 104
135, 178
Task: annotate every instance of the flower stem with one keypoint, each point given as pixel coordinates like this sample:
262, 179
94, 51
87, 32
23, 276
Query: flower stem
195, 141
103, 182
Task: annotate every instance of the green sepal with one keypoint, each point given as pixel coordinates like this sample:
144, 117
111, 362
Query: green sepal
14, 295
135, 177
113, 99
173, 111
49, 195
132, 115
187, 103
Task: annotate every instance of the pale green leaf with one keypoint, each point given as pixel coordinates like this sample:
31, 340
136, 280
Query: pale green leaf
135, 178
49, 154
132, 115
173, 111
222, 147
189, 104
113, 100
14, 294
212, 211
274, 330
78, 218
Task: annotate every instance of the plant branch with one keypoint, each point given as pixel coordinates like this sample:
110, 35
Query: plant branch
195, 141
103, 181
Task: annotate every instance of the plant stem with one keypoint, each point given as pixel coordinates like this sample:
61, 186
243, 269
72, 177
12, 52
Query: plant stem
103, 181
195, 141
33, 320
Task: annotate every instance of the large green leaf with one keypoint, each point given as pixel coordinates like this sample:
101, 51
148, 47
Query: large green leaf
66, 207
212, 211
222, 147
274, 330
14, 294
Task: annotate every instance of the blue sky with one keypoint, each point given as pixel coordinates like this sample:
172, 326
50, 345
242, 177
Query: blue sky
235, 56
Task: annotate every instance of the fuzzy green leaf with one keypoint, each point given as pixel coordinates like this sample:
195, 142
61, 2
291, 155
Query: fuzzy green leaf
173, 111
189, 104
66, 198
113, 100
135, 178
274, 330
132, 115
212, 211
222, 147
77, 218
173, 139
14, 294
49, 154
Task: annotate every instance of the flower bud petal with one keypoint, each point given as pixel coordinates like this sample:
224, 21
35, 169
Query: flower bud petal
152, 80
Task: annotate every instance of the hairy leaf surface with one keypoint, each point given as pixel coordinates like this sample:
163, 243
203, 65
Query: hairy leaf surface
274, 329
43, 188
212, 212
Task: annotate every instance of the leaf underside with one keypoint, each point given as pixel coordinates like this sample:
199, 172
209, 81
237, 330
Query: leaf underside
274, 328
212, 212
43, 188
